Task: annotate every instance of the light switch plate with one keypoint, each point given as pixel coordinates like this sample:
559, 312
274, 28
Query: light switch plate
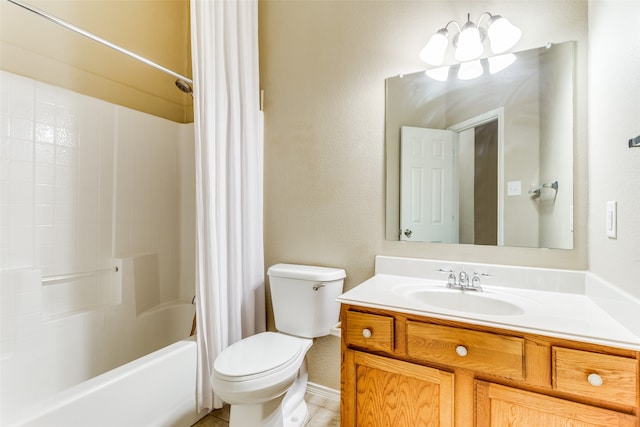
612, 220
514, 188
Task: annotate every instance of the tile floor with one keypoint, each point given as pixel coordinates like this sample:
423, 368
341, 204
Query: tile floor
322, 413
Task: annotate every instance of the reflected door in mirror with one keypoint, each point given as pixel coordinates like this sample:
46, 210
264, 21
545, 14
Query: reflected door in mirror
428, 196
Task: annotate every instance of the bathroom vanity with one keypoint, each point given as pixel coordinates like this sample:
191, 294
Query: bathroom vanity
537, 357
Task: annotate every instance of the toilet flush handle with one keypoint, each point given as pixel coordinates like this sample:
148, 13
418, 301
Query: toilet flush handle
318, 286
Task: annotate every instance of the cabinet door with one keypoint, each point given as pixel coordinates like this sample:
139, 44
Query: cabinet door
500, 406
382, 392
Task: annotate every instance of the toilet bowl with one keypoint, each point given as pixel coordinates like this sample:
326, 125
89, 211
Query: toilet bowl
264, 377
259, 369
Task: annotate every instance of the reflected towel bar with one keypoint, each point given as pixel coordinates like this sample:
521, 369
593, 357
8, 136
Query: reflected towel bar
536, 191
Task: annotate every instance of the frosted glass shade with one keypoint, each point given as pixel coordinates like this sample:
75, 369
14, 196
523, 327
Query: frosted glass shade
503, 35
440, 74
500, 62
433, 52
469, 44
470, 70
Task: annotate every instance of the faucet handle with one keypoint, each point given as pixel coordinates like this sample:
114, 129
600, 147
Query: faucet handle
464, 278
475, 281
475, 273
451, 280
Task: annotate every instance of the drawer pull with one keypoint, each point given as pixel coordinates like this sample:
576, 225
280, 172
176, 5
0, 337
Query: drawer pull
461, 351
366, 332
595, 380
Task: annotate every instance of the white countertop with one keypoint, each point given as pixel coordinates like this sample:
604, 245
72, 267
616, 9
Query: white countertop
568, 315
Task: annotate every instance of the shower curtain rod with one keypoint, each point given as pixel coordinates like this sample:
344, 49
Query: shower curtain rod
95, 38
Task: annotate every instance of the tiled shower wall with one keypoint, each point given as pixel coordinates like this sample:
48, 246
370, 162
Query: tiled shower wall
57, 178
83, 184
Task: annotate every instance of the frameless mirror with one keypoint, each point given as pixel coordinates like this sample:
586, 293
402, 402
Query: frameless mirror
486, 161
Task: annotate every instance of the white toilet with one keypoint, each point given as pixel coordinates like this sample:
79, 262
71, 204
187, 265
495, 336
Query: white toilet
264, 377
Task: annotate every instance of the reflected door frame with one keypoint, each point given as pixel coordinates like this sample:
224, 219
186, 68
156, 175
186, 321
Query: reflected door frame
497, 114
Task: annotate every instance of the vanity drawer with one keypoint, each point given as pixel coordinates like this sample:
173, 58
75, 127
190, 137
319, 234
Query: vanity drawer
370, 331
595, 375
478, 351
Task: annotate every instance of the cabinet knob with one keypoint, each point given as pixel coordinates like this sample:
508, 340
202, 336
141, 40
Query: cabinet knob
595, 380
366, 332
461, 351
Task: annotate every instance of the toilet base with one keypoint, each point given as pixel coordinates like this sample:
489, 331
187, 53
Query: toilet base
286, 410
267, 415
298, 417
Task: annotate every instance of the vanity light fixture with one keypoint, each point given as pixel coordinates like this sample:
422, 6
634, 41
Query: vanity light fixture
470, 70
440, 74
469, 43
502, 34
500, 62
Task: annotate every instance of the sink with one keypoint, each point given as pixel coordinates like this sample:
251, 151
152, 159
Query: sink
465, 301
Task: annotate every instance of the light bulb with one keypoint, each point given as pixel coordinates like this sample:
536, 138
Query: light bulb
469, 44
502, 34
440, 74
433, 52
470, 70
500, 62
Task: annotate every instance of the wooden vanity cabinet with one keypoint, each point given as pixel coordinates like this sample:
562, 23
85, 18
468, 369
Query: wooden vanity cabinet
390, 392
500, 406
407, 370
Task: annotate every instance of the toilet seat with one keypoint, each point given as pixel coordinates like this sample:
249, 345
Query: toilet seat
258, 356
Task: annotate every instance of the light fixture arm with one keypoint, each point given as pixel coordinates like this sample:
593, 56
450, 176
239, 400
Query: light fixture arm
452, 22
483, 15
444, 30
468, 21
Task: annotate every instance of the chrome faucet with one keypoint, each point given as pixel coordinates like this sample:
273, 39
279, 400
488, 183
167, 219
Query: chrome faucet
462, 282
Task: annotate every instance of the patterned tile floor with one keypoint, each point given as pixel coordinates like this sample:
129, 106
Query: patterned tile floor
322, 413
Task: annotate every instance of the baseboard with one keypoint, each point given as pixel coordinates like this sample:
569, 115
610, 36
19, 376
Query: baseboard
322, 391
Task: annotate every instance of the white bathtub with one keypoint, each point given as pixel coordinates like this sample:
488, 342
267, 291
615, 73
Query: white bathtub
155, 390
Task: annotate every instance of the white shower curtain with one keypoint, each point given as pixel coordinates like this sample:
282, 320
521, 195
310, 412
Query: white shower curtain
229, 153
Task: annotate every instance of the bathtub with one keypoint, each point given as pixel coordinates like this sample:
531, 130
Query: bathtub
155, 390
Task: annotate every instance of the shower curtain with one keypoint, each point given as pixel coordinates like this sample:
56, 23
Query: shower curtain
229, 154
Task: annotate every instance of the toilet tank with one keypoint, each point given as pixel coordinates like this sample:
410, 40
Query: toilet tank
304, 298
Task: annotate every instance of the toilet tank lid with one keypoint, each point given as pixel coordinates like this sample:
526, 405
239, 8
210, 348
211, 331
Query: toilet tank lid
306, 272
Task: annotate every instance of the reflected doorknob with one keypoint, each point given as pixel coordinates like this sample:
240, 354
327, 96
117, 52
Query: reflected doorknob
407, 232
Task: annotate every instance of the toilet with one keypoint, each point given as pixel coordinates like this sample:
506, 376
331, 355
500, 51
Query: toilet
264, 377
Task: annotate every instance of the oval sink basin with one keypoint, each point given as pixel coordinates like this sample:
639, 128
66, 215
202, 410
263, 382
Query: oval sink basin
466, 301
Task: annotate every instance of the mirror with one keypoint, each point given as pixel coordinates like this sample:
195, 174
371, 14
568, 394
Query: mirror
486, 161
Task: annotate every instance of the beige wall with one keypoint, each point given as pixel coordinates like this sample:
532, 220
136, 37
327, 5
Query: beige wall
158, 30
614, 112
323, 66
